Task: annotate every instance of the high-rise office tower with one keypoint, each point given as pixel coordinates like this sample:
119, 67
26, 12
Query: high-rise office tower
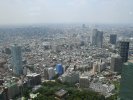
113, 38
116, 63
59, 69
17, 60
100, 39
126, 83
94, 35
97, 38
123, 50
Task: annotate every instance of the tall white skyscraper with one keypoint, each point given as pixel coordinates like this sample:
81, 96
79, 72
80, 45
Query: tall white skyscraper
17, 59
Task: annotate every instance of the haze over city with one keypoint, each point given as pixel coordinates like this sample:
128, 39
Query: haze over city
66, 11
66, 49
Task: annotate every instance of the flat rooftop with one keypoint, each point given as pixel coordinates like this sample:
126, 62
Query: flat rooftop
61, 93
131, 61
33, 75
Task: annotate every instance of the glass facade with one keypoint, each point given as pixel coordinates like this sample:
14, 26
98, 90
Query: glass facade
126, 84
59, 69
17, 60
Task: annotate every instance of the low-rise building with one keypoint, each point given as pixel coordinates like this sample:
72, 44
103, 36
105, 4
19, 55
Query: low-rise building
51, 73
46, 75
61, 94
12, 89
101, 66
34, 79
105, 89
70, 77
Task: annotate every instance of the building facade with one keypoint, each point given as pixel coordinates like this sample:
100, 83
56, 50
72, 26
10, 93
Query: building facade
116, 63
95, 67
12, 89
113, 38
59, 69
84, 82
70, 77
97, 38
17, 60
46, 76
126, 84
123, 50
34, 79
101, 66
51, 73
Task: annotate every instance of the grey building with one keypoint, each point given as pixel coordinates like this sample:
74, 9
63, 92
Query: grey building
101, 66
97, 38
46, 75
70, 77
116, 63
126, 83
94, 35
12, 90
34, 79
84, 82
113, 38
123, 50
17, 59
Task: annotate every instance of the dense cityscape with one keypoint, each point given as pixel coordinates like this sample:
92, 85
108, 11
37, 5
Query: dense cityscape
66, 62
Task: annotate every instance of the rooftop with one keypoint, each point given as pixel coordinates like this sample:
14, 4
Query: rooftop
61, 93
32, 74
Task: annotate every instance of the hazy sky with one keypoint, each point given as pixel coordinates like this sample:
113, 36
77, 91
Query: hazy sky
65, 11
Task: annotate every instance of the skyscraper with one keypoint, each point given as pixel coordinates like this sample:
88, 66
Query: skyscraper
94, 35
113, 38
97, 38
59, 69
126, 84
123, 50
17, 60
116, 63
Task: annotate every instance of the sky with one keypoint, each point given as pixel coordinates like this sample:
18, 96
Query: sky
66, 11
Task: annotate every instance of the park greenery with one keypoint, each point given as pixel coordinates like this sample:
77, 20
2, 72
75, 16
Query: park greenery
48, 89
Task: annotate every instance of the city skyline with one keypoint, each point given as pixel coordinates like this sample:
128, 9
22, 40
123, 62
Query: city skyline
66, 11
